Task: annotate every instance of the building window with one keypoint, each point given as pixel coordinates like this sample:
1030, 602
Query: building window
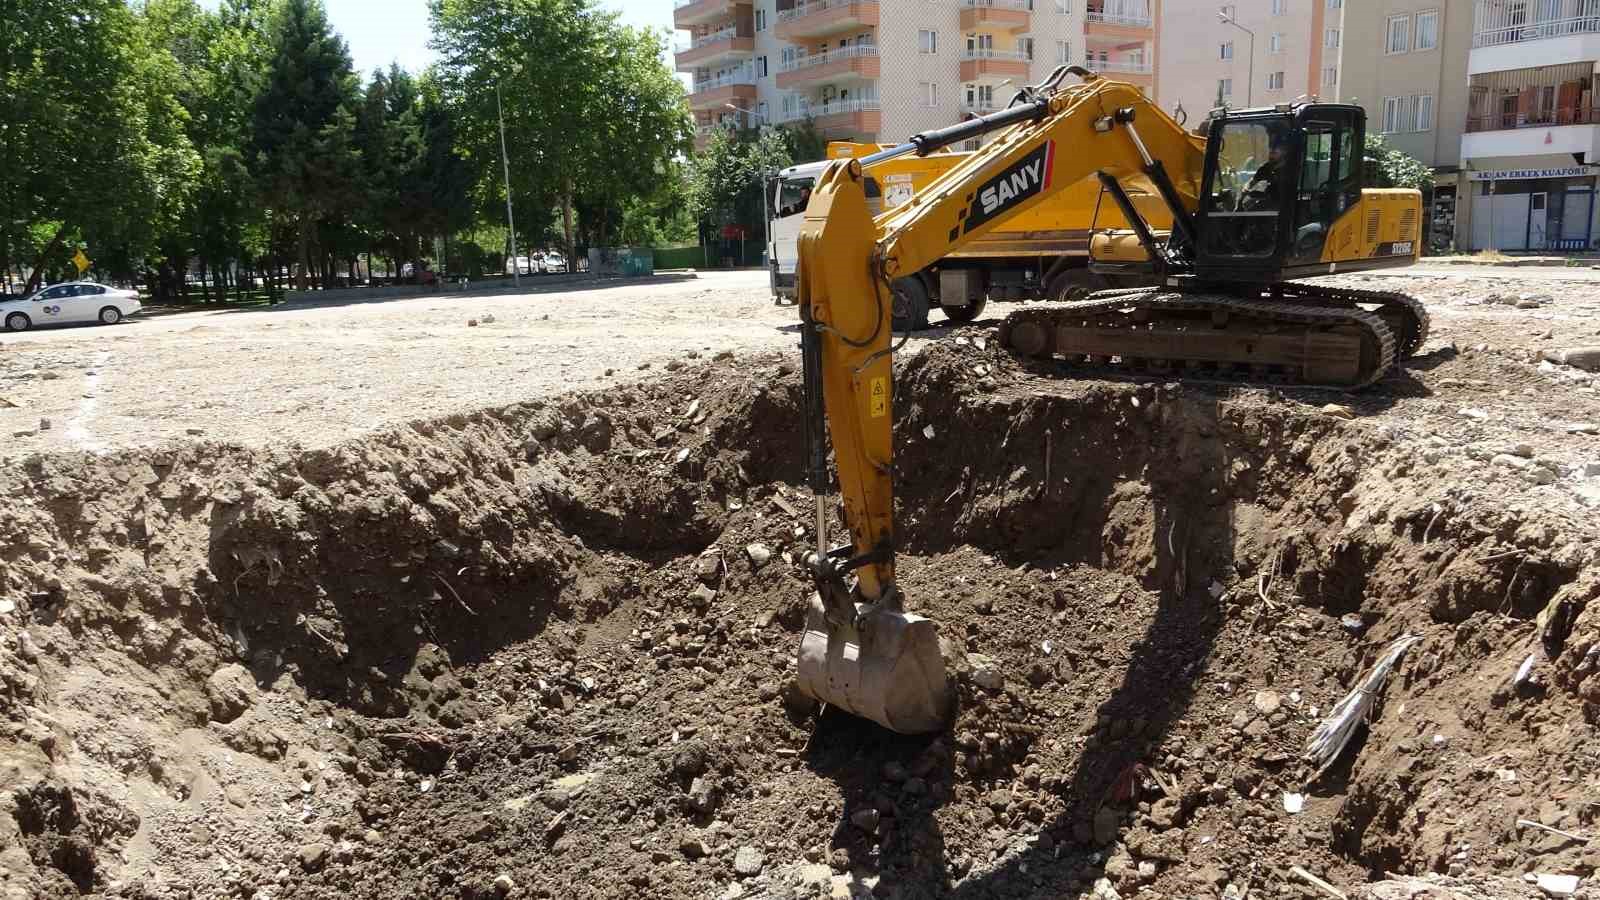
1224, 87
1428, 30
1227, 50
1330, 77
980, 45
928, 41
1026, 46
930, 93
1424, 105
1230, 12
1393, 108
1063, 52
1064, 7
1274, 81
1399, 35
761, 113
1335, 4
761, 20
1275, 42
1330, 39
1280, 7
761, 67
789, 55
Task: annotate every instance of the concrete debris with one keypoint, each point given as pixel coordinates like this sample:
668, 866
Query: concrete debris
1293, 803
1268, 702
703, 795
1510, 461
504, 885
1352, 622
694, 848
1472, 412
7, 606
1555, 885
749, 861
1338, 411
1586, 358
759, 554
1583, 428
1104, 891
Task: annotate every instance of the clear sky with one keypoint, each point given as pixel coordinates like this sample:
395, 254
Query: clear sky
383, 31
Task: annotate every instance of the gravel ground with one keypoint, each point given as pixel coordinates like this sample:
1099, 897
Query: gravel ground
315, 375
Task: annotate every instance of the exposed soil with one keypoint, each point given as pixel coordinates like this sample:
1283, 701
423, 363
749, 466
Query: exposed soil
527, 652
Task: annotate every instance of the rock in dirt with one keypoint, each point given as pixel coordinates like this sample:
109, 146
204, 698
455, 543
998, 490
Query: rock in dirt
759, 554
866, 819
1338, 411
1268, 702
1105, 826
230, 691
1586, 358
703, 795
504, 885
749, 861
1509, 461
691, 760
986, 672
1583, 428
1104, 891
694, 848
312, 856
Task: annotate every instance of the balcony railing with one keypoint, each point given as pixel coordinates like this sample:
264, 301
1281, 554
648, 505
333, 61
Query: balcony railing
722, 34
837, 107
1510, 21
972, 53
816, 6
1114, 65
855, 51
1133, 21
712, 84
1543, 119
980, 107
1023, 5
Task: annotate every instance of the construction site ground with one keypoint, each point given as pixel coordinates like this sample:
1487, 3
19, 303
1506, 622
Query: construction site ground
498, 597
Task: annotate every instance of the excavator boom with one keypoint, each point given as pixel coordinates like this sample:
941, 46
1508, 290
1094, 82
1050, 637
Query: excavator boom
1264, 197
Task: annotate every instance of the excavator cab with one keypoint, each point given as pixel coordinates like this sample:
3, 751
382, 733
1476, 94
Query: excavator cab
1280, 183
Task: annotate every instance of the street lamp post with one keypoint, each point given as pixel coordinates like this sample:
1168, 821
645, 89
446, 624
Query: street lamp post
1250, 92
505, 163
749, 112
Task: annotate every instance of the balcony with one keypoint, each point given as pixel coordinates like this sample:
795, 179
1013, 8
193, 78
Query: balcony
980, 107
977, 65
841, 119
1008, 15
716, 47
1567, 31
738, 89
689, 13
859, 61
822, 17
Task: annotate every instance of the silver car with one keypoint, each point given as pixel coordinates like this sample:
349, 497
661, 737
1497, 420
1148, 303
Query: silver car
70, 303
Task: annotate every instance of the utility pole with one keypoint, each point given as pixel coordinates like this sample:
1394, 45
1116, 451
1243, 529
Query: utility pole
505, 162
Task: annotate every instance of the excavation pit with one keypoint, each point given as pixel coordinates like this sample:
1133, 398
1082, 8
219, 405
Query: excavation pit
545, 651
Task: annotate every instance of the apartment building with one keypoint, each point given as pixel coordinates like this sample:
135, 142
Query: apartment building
1247, 53
1532, 129
883, 70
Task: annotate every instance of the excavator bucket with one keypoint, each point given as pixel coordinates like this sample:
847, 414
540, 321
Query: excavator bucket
884, 666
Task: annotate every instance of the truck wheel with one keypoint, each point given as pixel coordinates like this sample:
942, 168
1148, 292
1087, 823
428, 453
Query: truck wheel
965, 314
910, 311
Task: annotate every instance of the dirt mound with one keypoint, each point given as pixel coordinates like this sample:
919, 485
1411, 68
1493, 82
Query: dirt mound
546, 651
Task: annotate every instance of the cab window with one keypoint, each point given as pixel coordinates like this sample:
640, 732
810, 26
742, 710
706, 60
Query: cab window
793, 195
1245, 195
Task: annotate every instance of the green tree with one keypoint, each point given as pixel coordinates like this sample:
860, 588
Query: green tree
727, 178
592, 116
1395, 169
92, 145
302, 146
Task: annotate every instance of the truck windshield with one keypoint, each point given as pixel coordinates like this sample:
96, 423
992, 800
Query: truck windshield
793, 195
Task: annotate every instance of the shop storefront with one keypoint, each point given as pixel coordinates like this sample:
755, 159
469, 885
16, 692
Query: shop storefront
1533, 209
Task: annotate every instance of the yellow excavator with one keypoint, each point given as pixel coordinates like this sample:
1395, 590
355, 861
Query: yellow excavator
1263, 197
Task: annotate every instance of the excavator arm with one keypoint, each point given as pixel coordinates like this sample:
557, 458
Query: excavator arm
861, 650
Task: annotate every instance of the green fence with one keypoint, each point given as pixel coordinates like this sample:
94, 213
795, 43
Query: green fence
695, 257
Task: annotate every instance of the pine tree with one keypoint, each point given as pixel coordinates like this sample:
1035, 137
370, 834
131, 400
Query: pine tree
303, 147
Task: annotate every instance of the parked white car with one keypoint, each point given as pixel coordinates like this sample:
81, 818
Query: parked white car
73, 302
555, 262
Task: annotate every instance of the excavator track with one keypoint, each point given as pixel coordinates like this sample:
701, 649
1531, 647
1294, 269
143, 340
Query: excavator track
1332, 342
1404, 314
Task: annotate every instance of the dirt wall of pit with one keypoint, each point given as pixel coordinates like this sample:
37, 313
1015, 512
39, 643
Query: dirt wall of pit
532, 644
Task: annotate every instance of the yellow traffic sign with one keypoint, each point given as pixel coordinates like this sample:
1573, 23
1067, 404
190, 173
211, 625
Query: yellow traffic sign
81, 261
